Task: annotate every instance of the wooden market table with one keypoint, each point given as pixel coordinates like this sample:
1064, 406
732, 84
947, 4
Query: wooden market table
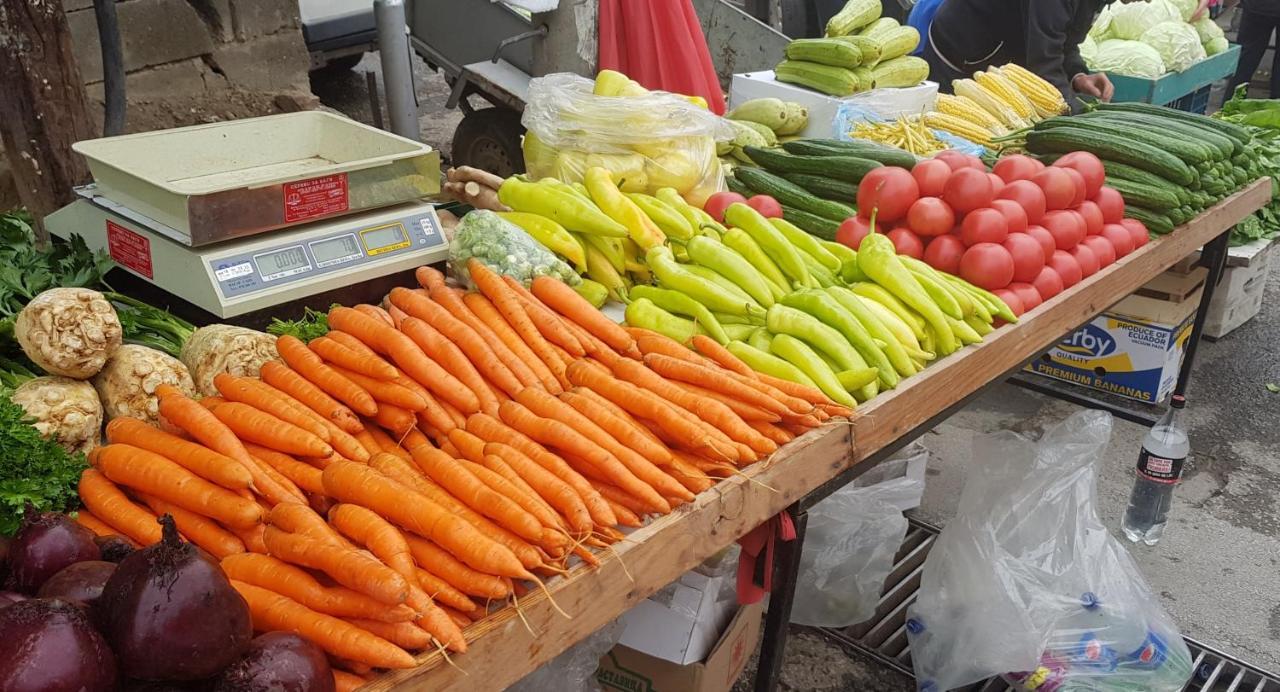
503, 648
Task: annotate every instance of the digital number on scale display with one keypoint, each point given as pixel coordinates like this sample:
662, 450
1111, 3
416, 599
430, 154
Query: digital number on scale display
329, 252
281, 263
344, 248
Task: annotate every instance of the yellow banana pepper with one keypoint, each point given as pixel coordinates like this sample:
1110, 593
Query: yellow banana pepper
565, 208
550, 235
616, 206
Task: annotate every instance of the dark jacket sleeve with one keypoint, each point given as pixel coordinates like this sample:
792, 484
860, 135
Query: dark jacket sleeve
1051, 52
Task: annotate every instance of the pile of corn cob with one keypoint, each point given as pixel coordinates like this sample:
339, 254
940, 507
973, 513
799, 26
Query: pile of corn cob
994, 102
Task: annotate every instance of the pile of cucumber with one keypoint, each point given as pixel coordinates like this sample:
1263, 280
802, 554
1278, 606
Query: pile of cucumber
815, 180
1169, 165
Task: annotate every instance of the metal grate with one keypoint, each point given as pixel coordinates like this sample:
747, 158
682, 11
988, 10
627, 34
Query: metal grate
884, 637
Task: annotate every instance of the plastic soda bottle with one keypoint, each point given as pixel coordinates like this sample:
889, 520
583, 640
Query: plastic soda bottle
1164, 451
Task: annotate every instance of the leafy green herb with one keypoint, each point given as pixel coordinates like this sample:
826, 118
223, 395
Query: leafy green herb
25, 271
313, 325
150, 326
32, 469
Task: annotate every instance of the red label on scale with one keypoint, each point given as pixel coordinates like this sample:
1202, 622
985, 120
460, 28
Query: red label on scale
129, 249
309, 199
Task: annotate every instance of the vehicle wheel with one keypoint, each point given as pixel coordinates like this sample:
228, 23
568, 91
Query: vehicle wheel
342, 64
489, 139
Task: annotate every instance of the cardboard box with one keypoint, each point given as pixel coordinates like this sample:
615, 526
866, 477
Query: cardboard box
886, 103
1239, 296
682, 622
1133, 350
631, 671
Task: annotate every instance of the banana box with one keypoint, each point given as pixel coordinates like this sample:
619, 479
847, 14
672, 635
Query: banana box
1133, 350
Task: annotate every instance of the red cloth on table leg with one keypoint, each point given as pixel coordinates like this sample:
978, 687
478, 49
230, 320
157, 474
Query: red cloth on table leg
659, 44
757, 556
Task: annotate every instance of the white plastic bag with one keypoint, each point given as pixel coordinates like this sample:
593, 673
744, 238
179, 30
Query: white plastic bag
1027, 578
574, 670
849, 545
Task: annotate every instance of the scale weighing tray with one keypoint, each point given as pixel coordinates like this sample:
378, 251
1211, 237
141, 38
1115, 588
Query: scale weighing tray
246, 275
210, 183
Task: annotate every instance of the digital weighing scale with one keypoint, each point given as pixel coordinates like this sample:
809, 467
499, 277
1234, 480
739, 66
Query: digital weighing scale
240, 216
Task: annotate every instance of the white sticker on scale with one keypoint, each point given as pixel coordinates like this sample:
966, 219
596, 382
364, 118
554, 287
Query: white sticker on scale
233, 271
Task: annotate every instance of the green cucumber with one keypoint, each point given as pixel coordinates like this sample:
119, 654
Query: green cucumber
1191, 151
1137, 175
1154, 221
786, 192
824, 187
1225, 146
812, 224
1232, 130
1144, 195
850, 168
889, 156
1106, 146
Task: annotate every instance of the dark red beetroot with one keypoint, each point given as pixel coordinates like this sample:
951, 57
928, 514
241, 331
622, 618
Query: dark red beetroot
278, 662
81, 582
170, 613
45, 543
114, 548
51, 645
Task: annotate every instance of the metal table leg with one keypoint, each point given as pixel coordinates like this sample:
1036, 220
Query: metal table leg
786, 568
1214, 257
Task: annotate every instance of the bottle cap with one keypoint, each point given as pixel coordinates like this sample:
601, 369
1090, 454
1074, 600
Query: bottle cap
1178, 401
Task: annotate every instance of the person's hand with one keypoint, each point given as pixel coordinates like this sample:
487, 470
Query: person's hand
1094, 85
1200, 10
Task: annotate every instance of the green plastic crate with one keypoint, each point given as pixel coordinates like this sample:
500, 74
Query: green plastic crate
1175, 85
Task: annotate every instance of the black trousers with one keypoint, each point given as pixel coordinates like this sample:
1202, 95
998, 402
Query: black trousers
1254, 37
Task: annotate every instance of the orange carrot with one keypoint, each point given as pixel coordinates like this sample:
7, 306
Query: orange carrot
459, 618
715, 379
443, 593
463, 484
363, 485
279, 375
772, 432
395, 419
351, 568
434, 416
202, 531
202, 461
305, 362
296, 583
109, 503
488, 313
618, 496
652, 342
251, 425
438, 561
721, 355
626, 517
347, 682
546, 484
406, 355
688, 474
809, 394
252, 538
468, 445
273, 612
748, 413
99, 527
385, 391
616, 410
255, 393
456, 306
444, 352
457, 332
500, 478
513, 311
403, 634
159, 477
414, 438
305, 476
386, 444
359, 347
368, 441
376, 313
343, 442
560, 297
622, 429
548, 323
340, 355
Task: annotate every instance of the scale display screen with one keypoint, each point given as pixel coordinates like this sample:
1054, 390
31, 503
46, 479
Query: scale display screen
385, 239
282, 263
344, 248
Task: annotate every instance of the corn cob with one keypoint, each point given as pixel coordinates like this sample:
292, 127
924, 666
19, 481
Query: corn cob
1001, 110
959, 127
1005, 90
963, 108
1047, 100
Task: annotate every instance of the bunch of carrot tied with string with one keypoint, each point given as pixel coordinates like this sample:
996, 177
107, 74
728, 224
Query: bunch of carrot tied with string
380, 486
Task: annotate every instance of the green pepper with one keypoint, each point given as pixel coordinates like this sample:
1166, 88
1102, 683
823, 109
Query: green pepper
820, 274
962, 298
850, 272
720, 280
762, 361
644, 314
883, 337
760, 339
731, 266
681, 304
966, 334
563, 207
770, 240
806, 243
707, 292
797, 353
981, 327
610, 248
801, 325
994, 304
668, 220
738, 332
826, 308
726, 318
843, 252
876, 293
879, 260
939, 294
593, 291
854, 380
737, 240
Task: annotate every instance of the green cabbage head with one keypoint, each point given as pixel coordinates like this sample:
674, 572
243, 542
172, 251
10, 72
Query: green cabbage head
1216, 45
1132, 58
1185, 8
1178, 44
1130, 20
1207, 29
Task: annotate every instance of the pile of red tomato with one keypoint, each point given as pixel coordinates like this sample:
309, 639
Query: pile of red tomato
1023, 231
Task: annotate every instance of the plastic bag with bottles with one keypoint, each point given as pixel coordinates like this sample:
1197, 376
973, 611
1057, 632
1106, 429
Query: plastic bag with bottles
1026, 582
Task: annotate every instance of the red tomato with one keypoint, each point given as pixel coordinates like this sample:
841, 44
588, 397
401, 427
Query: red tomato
1120, 239
1137, 231
1011, 299
984, 226
1028, 256
997, 183
967, 189
1048, 283
1017, 167
906, 242
931, 175
1088, 166
1044, 237
1066, 227
930, 216
1111, 204
889, 191
1092, 215
1066, 266
1013, 212
1102, 249
1077, 181
718, 202
1058, 186
1028, 294
852, 230
766, 205
1029, 196
1089, 264
943, 253
987, 265
957, 160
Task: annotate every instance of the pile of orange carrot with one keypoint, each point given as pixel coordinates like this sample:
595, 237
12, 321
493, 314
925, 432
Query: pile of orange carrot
379, 486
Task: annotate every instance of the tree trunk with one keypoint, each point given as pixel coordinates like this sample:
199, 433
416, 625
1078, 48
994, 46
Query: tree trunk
42, 105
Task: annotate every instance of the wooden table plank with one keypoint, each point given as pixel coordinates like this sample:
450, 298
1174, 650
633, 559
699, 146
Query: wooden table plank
505, 650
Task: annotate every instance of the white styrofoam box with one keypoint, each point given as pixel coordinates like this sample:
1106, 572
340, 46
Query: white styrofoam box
682, 622
1238, 297
885, 103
